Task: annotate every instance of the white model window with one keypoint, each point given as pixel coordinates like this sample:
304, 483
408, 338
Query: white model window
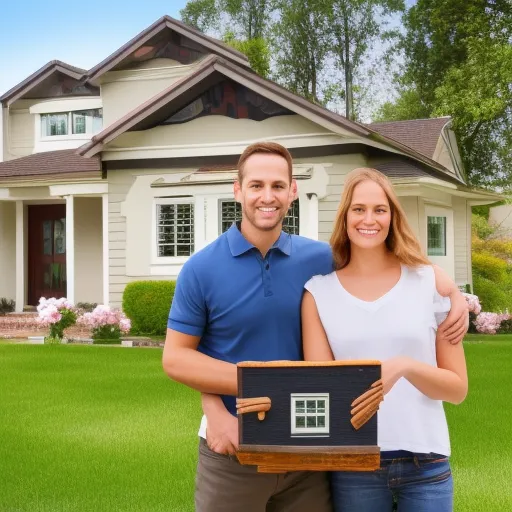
436, 236
72, 123
175, 229
310, 413
231, 211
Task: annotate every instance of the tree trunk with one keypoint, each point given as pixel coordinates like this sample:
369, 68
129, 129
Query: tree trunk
349, 97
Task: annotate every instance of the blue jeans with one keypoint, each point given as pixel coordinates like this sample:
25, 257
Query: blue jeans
411, 482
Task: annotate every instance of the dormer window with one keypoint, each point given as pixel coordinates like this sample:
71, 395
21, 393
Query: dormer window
83, 122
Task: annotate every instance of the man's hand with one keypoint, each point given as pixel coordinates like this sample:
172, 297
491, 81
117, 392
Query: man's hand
222, 434
456, 324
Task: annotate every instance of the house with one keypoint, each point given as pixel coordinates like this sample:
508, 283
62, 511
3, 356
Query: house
120, 172
297, 414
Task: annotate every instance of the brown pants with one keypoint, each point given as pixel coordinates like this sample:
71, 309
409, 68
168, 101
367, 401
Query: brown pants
224, 485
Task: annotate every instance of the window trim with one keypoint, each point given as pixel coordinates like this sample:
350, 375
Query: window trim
445, 233
309, 431
176, 260
70, 135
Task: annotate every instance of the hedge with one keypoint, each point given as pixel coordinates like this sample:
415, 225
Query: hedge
147, 304
492, 297
489, 267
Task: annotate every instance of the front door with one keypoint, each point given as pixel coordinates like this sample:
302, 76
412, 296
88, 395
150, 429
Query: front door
46, 252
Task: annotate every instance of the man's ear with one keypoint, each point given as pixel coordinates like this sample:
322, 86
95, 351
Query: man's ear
294, 192
237, 190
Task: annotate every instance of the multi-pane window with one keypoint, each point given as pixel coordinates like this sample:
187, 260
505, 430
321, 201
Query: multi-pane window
231, 211
310, 413
175, 229
436, 236
67, 123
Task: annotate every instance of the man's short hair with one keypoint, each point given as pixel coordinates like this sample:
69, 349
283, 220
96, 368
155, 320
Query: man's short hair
271, 148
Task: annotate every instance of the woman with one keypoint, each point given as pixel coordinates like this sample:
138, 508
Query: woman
381, 303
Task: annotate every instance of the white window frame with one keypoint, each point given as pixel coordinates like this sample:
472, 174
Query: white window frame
160, 201
446, 262
444, 242
308, 431
70, 135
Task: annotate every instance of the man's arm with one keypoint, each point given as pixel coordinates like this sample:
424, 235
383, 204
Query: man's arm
183, 363
222, 426
456, 324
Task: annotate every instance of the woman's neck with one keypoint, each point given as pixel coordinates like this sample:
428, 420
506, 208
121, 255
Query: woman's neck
370, 261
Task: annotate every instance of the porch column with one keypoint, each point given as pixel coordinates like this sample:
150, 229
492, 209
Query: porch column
106, 274
70, 248
20, 256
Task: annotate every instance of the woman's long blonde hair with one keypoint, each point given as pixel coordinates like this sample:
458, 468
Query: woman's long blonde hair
401, 241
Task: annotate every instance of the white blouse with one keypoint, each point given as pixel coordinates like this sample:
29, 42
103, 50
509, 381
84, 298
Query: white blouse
403, 322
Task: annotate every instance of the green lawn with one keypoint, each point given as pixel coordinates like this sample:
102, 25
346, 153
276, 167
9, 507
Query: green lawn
91, 428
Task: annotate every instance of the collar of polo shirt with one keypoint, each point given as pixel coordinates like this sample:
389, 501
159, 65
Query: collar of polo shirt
238, 244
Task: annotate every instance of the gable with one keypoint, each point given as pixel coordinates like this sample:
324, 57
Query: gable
170, 39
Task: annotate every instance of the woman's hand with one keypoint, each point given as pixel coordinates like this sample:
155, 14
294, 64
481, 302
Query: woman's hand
393, 370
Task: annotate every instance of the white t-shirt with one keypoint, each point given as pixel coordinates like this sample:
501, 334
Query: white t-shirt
403, 322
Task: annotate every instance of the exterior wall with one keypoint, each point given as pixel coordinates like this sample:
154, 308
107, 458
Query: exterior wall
19, 132
122, 91
339, 167
8, 250
462, 241
217, 129
88, 250
442, 155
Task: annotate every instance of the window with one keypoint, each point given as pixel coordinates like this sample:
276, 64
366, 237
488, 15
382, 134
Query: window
231, 211
76, 123
175, 229
310, 413
436, 236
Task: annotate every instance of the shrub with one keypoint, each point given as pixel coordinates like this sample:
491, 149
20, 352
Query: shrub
489, 267
147, 304
57, 314
6, 306
481, 227
505, 327
492, 297
106, 323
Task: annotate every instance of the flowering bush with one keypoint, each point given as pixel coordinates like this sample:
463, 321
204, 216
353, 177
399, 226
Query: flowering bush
483, 322
57, 314
106, 323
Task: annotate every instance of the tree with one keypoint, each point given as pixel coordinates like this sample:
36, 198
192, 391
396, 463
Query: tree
300, 40
201, 14
458, 62
355, 26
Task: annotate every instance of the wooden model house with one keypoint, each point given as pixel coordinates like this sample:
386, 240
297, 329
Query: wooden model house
309, 415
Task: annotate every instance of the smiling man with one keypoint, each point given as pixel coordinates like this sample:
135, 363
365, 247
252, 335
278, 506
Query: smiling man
238, 299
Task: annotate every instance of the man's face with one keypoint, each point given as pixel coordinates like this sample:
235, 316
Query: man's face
265, 192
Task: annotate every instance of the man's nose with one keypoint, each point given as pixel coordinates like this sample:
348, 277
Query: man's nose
268, 194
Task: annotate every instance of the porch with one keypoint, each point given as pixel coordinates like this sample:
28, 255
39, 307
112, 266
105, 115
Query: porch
54, 243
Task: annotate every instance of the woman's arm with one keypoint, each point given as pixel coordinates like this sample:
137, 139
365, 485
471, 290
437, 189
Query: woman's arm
448, 381
314, 340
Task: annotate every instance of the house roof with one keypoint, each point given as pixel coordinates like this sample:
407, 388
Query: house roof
54, 66
166, 22
212, 70
421, 135
65, 161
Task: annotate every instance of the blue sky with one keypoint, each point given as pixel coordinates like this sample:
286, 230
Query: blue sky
33, 32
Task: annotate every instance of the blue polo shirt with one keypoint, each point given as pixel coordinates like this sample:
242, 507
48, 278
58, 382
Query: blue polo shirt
243, 306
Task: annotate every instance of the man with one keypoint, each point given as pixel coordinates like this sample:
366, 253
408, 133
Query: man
239, 299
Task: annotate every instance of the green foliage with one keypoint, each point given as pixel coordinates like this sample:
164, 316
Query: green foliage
147, 304
108, 333
481, 227
201, 14
493, 297
489, 267
256, 50
57, 329
6, 306
458, 62
505, 327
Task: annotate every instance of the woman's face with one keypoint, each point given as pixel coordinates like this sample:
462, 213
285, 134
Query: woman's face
369, 215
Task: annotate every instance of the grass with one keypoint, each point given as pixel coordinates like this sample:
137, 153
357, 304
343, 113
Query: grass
92, 428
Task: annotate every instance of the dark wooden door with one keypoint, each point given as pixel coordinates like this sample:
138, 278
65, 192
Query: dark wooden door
46, 252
